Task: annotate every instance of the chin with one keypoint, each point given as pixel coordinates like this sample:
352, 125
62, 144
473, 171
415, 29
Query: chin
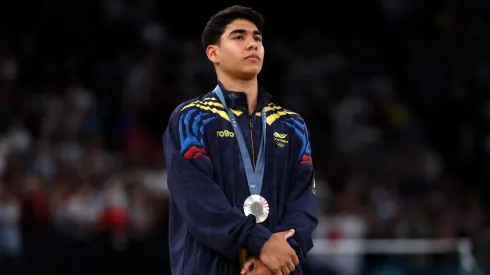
250, 72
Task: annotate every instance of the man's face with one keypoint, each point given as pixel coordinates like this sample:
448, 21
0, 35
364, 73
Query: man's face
240, 52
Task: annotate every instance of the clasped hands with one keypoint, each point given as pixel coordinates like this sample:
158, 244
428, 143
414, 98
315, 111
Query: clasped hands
276, 257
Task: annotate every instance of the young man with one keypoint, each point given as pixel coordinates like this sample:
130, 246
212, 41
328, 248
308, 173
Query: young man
239, 167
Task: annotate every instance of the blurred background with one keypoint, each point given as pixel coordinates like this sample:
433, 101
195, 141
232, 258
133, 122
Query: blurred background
396, 94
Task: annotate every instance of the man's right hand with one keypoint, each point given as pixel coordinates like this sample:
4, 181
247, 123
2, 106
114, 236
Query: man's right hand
278, 255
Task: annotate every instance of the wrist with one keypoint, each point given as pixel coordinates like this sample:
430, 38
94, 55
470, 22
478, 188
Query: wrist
256, 240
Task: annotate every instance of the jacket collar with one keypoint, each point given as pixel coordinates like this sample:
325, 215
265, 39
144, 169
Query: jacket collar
238, 100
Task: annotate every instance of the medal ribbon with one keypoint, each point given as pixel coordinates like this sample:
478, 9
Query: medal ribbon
254, 177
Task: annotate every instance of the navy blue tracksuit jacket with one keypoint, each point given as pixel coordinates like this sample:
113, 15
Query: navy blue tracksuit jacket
208, 185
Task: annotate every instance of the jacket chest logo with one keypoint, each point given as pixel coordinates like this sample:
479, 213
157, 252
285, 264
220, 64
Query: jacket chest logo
280, 139
225, 134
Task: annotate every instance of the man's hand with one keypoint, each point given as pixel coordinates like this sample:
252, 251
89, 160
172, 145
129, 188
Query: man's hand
248, 266
255, 267
260, 269
278, 255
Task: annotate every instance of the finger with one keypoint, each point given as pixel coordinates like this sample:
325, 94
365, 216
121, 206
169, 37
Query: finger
289, 234
285, 270
247, 265
259, 271
295, 259
291, 266
277, 271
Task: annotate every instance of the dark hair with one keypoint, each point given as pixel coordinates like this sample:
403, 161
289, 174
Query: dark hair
218, 22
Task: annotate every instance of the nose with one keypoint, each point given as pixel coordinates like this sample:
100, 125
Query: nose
252, 45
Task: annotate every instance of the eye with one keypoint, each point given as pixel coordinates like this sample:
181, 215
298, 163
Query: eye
238, 37
258, 39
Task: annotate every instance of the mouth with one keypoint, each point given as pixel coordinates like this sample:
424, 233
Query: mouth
252, 57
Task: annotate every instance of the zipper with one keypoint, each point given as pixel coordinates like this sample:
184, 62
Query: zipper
250, 120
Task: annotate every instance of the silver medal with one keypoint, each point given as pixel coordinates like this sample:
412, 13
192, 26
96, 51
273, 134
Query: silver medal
257, 206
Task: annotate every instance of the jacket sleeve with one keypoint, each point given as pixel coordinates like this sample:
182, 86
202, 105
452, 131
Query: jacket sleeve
301, 212
209, 215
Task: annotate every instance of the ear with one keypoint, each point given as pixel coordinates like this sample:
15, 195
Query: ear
212, 51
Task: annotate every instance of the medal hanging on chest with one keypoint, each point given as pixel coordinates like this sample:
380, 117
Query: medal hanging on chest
255, 204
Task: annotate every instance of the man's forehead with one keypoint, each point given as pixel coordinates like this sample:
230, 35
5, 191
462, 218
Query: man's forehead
241, 24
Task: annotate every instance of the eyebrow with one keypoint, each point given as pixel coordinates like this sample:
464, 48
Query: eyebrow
242, 31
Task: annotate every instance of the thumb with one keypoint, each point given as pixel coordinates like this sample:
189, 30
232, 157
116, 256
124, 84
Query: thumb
289, 234
247, 265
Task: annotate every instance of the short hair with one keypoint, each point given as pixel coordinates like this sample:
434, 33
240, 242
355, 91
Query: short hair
217, 23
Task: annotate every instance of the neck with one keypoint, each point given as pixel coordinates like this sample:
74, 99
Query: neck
249, 87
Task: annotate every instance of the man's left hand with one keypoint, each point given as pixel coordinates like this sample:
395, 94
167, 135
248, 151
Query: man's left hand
260, 269
255, 266
248, 266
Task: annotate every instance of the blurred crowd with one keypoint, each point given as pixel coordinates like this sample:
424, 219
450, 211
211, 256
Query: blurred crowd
398, 107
